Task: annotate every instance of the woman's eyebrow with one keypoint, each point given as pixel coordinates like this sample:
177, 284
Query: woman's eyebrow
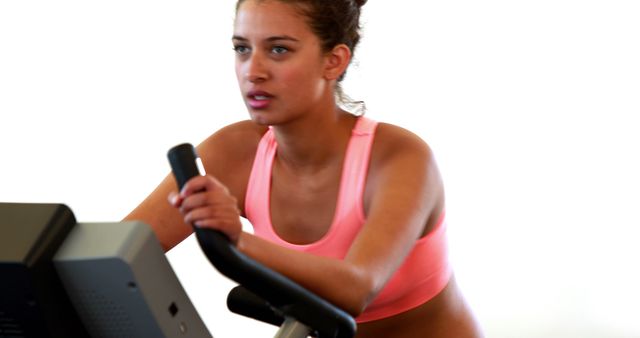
269, 39
282, 37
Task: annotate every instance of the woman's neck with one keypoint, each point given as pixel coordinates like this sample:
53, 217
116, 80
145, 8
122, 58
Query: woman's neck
315, 142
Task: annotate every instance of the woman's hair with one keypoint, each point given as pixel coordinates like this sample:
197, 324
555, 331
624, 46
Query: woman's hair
334, 22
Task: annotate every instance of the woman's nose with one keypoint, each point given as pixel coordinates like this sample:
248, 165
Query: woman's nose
255, 70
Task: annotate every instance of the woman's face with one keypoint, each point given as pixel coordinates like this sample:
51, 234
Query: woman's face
279, 62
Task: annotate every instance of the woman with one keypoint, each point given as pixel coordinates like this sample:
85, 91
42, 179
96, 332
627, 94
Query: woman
350, 209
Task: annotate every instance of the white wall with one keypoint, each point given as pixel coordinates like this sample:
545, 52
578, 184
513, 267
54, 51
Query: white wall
530, 106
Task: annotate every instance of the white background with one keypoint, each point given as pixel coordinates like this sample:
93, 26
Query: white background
530, 106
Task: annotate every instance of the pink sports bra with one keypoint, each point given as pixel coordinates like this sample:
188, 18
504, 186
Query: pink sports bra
425, 271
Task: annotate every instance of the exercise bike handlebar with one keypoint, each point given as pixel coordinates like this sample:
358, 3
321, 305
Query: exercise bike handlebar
284, 295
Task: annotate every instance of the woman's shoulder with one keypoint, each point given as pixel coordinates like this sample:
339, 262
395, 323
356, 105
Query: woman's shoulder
234, 137
392, 140
246, 130
397, 151
231, 145
402, 161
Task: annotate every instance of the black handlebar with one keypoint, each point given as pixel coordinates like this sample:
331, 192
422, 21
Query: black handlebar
286, 296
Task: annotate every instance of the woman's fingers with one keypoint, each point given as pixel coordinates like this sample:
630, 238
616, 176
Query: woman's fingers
174, 199
201, 183
207, 203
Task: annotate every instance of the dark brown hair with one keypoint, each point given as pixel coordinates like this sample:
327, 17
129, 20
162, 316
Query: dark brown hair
333, 21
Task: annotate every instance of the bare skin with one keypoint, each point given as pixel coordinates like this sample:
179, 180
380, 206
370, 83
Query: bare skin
288, 83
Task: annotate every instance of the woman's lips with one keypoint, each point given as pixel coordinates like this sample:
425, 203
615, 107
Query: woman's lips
259, 99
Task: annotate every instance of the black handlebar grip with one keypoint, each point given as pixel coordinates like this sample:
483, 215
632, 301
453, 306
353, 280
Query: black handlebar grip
183, 159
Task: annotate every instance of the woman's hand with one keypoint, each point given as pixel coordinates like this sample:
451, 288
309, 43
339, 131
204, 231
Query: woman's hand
207, 203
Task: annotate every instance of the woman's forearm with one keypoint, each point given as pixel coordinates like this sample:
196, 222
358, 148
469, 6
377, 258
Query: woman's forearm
339, 282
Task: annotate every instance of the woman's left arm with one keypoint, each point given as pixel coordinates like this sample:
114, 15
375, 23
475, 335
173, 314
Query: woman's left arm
403, 200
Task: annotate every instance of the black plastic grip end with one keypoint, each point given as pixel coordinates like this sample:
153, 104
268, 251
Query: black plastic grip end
183, 163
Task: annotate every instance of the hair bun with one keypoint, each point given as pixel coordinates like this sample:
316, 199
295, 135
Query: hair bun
360, 3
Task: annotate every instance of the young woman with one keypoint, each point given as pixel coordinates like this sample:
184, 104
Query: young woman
349, 208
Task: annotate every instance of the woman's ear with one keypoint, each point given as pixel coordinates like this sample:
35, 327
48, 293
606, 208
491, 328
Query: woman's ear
337, 61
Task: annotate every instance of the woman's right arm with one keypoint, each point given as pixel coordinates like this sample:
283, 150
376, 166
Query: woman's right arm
228, 155
166, 221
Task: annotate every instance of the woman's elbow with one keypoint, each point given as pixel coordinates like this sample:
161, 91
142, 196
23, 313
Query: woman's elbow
354, 308
360, 295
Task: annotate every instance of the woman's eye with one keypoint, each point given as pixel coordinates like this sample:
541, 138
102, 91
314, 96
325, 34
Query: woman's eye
239, 49
279, 50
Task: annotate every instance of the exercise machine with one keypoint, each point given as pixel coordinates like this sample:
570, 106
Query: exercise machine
63, 279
